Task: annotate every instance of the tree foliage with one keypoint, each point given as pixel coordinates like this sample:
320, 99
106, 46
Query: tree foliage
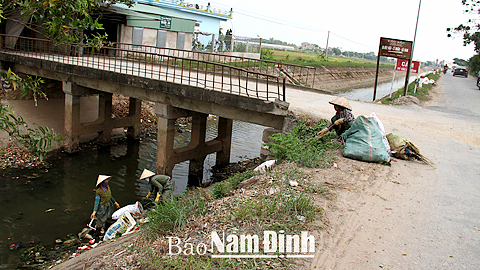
60, 20
37, 140
470, 29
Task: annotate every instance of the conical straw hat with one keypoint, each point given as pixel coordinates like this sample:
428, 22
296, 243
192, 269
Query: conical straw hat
146, 173
341, 101
102, 178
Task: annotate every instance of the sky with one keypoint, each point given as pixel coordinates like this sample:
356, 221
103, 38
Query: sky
354, 25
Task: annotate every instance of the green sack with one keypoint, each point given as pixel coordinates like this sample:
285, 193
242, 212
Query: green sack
364, 141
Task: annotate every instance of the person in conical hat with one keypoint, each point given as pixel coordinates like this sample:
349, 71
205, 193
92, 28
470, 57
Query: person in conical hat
162, 185
105, 204
343, 118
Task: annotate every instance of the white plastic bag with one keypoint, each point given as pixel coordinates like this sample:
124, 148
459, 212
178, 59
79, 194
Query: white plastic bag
379, 125
264, 166
131, 208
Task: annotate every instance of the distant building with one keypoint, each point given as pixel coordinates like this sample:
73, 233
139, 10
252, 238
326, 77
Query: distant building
308, 46
163, 23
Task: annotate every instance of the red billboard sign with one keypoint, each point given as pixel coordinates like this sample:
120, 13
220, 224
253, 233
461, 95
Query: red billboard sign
403, 63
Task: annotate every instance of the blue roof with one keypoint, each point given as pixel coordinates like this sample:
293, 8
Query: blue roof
172, 4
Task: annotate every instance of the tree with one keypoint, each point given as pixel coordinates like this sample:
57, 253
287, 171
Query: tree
336, 51
460, 62
59, 20
471, 29
62, 21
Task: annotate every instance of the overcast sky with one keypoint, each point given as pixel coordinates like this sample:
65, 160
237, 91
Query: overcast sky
355, 25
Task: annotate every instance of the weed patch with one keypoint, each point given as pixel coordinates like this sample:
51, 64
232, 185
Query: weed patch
302, 146
221, 189
173, 214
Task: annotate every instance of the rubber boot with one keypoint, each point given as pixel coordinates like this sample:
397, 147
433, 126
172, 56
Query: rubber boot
148, 195
158, 198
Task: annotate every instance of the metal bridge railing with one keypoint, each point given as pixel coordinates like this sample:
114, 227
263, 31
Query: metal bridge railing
138, 61
297, 74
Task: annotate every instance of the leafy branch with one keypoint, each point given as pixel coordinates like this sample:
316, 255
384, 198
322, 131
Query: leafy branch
10, 79
37, 140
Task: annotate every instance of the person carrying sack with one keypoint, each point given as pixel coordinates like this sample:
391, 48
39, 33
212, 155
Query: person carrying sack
103, 207
162, 185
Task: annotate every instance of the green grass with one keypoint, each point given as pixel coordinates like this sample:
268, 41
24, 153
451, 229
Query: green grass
309, 58
221, 189
302, 146
421, 93
206, 262
174, 213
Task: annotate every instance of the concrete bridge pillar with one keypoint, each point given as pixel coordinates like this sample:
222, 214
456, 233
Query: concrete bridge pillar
72, 116
167, 115
104, 124
197, 144
225, 136
134, 112
198, 148
105, 114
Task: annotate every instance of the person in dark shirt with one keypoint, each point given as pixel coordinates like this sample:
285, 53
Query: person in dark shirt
343, 118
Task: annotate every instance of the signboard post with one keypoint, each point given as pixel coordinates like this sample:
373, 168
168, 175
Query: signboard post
393, 48
401, 65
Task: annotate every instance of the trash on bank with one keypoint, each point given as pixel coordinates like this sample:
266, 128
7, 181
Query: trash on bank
264, 166
405, 149
135, 208
123, 225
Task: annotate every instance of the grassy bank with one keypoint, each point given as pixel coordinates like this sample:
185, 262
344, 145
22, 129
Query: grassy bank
249, 203
421, 93
313, 59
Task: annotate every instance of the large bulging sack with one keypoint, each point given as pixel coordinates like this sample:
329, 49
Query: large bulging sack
364, 141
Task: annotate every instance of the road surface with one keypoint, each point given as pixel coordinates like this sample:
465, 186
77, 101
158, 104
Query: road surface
421, 217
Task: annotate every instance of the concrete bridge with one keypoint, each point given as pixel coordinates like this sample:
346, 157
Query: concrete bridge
180, 87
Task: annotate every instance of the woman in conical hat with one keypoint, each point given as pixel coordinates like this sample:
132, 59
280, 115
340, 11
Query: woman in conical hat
103, 207
160, 184
343, 118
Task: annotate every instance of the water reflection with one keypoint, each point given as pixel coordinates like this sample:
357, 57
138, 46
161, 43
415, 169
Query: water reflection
47, 204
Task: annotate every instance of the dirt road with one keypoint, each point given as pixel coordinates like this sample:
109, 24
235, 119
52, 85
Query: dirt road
410, 215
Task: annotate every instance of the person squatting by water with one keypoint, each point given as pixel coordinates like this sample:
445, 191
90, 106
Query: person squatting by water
343, 118
162, 185
104, 203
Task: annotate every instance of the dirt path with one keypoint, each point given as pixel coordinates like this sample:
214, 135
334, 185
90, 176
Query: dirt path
409, 215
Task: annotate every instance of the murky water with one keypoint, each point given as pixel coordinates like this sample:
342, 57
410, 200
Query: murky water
43, 205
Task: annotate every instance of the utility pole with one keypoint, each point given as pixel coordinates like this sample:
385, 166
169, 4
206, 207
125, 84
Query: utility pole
405, 90
326, 48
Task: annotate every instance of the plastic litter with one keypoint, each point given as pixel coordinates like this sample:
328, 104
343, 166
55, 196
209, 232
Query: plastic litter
123, 225
265, 166
135, 208
83, 247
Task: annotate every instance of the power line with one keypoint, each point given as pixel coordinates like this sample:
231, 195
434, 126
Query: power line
271, 19
352, 41
285, 23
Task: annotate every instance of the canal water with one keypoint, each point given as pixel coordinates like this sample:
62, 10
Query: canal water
41, 205
366, 94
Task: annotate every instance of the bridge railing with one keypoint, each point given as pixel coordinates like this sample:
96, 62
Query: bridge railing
152, 64
296, 74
